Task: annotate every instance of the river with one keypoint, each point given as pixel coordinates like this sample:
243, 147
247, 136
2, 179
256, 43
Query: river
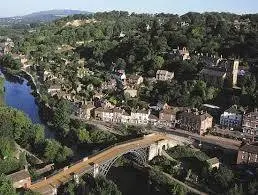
18, 95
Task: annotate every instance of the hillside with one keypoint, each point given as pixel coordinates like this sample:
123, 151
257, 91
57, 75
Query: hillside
39, 17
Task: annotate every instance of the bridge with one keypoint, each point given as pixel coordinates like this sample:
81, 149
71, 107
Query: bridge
141, 149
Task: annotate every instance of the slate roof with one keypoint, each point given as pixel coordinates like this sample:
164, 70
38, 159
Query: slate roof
212, 72
234, 109
195, 116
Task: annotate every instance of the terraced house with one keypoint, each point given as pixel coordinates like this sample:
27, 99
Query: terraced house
195, 121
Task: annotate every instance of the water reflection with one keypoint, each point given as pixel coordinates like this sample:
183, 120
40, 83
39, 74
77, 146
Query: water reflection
18, 95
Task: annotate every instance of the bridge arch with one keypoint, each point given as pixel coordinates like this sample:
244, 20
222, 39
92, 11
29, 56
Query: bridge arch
139, 155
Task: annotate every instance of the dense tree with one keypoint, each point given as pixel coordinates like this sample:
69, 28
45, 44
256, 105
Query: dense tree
55, 152
7, 147
61, 117
6, 186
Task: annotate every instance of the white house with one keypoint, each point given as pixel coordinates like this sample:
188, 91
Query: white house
140, 116
232, 117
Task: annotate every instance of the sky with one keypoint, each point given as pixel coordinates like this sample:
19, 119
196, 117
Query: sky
22, 7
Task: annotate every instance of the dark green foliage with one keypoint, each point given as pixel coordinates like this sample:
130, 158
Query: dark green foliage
9, 62
6, 186
55, 152
7, 147
16, 125
164, 185
91, 186
61, 115
188, 93
180, 152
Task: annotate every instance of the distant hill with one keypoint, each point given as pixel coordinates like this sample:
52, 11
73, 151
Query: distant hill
39, 17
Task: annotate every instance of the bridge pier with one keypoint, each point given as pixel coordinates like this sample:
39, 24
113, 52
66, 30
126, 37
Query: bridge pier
95, 170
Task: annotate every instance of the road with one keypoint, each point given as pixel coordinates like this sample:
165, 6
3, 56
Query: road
86, 164
183, 135
214, 140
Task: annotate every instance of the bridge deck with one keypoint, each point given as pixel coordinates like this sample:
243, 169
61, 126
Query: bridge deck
82, 166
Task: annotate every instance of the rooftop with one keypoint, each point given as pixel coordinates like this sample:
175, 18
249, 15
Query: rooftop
195, 114
163, 72
234, 109
20, 175
213, 161
213, 72
250, 148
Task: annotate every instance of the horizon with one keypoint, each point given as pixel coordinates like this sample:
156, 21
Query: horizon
91, 12
13, 8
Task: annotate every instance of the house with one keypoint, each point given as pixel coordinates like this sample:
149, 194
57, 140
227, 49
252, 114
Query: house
23, 59
117, 115
140, 116
121, 35
109, 114
250, 122
158, 106
134, 80
232, 117
54, 89
213, 162
20, 179
184, 24
222, 74
163, 75
248, 154
167, 116
85, 111
64, 95
131, 92
153, 120
103, 114
184, 53
82, 72
126, 118
194, 121
121, 75
111, 84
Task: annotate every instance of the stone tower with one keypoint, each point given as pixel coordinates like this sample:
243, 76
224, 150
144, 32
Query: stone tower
232, 72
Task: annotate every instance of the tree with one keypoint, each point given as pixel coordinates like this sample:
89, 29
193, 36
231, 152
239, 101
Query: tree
55, 152
31, 193
83, 135
7, 147
61, 117
104, 186
158, 62
6, 186
39, 133
9, 62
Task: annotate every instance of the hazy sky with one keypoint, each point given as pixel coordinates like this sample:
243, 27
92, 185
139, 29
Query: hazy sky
21, 7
